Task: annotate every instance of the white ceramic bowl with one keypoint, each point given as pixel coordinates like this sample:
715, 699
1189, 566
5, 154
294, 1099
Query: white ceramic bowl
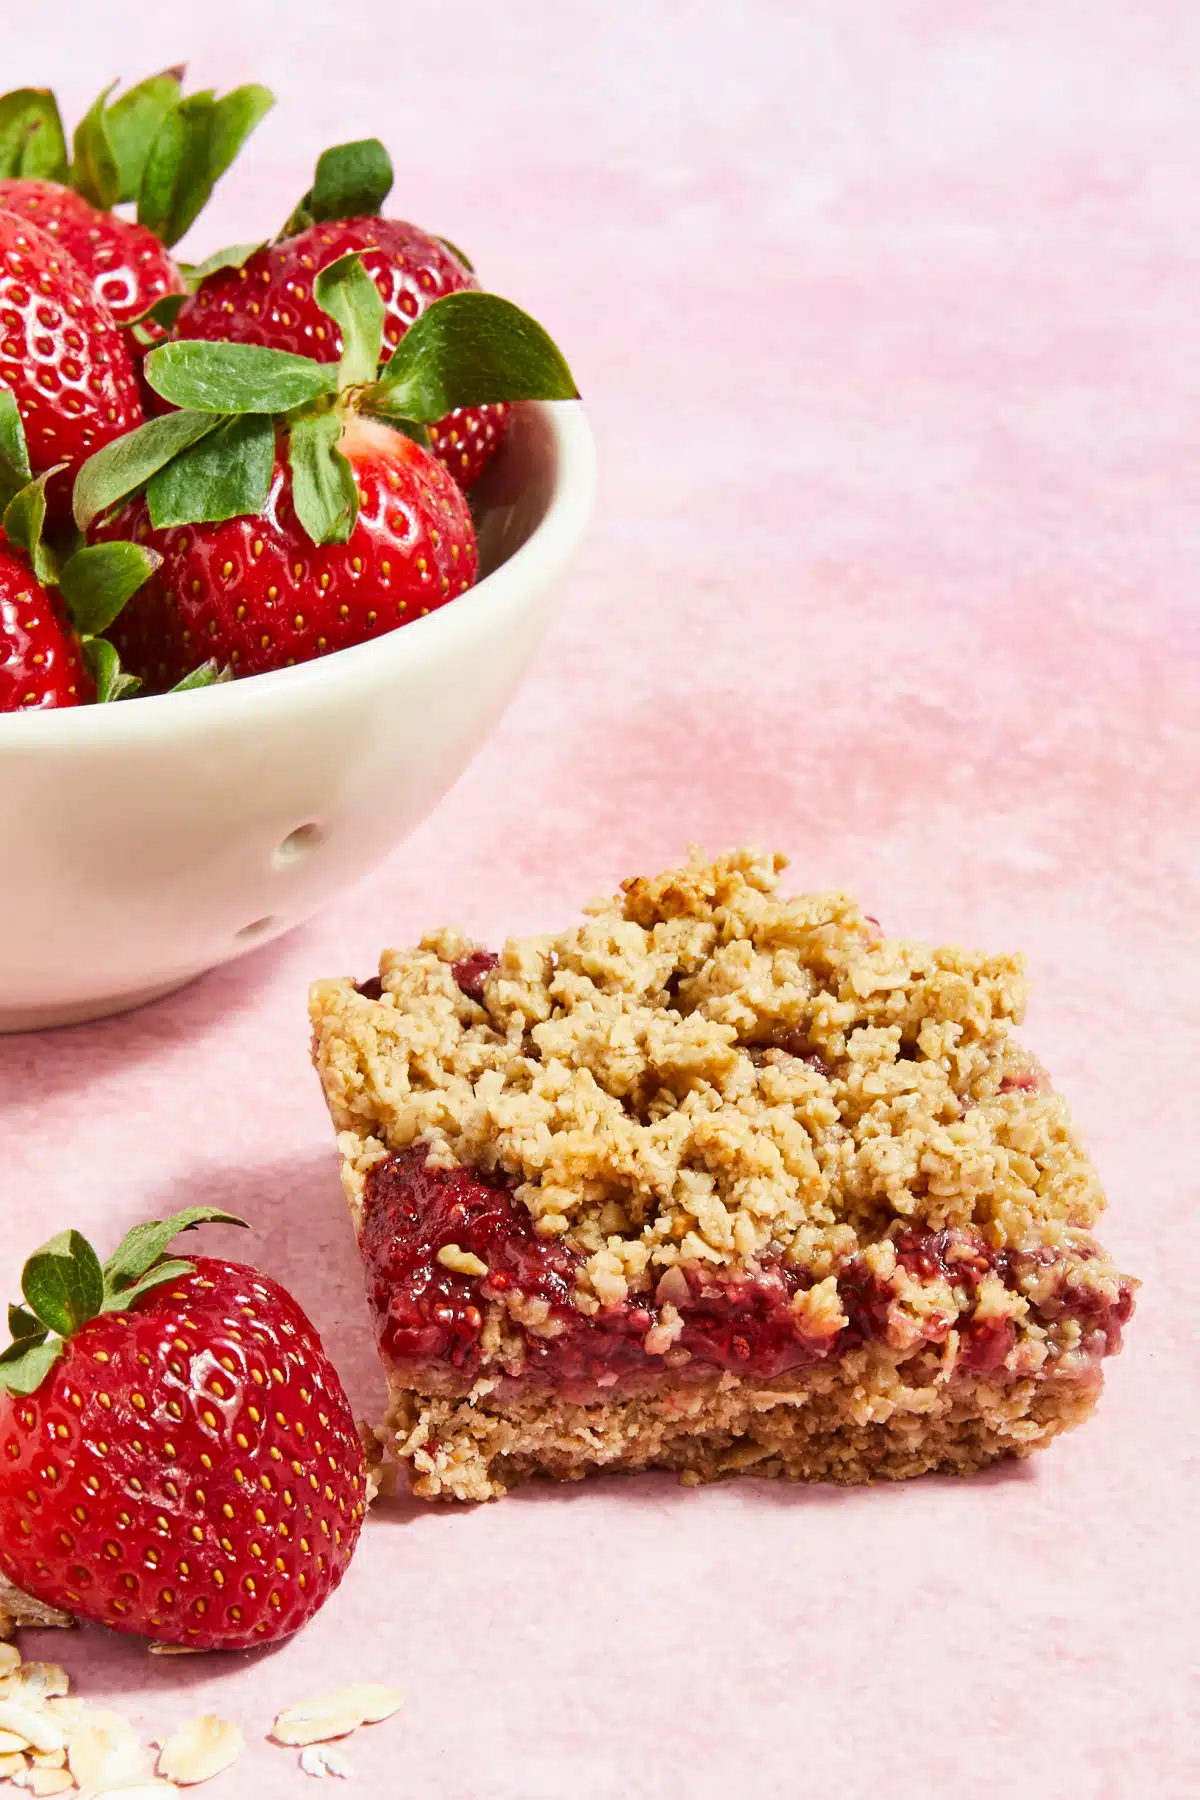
145, 842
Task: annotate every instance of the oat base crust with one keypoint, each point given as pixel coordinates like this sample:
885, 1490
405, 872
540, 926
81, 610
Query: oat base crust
865, 1418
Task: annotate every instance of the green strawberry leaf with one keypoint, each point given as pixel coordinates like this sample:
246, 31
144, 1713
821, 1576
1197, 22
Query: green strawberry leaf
134, 120
233, 119
162, 1272
346, 292
23, 1325
351, 181
162, 312
459, 255
32, 142
24, 1366
14, 454
225, 476
99, 578
232, 257
193, 147
175, 184
112, 681
141, 1247
122, 466
24, 521
324, 492
63, 1283
420, 434
469, 349
94, 171
209, 674
235, 378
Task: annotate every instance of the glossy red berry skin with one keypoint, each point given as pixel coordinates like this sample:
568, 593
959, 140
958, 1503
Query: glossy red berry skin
41, 665
188, 1470
256, 594
130, 268
62, 355
269, 301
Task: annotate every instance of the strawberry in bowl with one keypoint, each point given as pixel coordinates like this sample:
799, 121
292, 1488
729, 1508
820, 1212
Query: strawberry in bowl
294, 504
54, 608
177, 1454
202, 824
153, 147
269, 298
62, 358
256, 528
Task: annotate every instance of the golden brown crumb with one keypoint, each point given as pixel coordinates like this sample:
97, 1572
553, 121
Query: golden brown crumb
705, 1070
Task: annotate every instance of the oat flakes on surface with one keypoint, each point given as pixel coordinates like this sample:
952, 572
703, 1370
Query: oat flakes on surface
27, 1721
199, 1749
317, 1720
321, 1760
104, 1751
34, 1682
20, 1611
44, 1782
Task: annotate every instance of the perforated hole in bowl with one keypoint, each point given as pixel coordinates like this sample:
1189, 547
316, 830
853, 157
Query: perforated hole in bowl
257, 927
298, 844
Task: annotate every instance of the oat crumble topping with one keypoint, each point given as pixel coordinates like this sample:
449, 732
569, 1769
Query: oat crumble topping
705, 1070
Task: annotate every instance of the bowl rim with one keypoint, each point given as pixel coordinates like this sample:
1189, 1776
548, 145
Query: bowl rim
544, 553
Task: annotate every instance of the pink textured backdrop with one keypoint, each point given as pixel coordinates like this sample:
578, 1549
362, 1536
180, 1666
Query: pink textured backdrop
887, 321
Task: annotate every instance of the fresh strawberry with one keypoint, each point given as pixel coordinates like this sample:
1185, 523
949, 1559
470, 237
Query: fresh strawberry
467, 439
177, 1454
61, 355
130, 267
269, 299
51, 653
41, 664
292, 507
152, 145
257, 594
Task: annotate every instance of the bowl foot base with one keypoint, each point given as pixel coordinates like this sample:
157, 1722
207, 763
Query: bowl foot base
80, 1012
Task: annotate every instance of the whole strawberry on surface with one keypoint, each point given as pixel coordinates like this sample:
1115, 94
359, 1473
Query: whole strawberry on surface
268, 298
292, 505
177, 1454
53, 610
153, 145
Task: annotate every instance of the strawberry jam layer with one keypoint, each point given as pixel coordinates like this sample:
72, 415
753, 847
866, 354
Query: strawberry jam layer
697, 1321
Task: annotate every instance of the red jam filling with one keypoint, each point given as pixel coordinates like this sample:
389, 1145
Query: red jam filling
472, 971
428, 1313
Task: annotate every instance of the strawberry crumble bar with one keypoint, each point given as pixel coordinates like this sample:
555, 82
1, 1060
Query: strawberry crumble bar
715, 1181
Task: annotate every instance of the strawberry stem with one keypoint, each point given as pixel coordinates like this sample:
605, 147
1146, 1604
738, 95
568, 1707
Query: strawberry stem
466, 349
351, 181
65, 1286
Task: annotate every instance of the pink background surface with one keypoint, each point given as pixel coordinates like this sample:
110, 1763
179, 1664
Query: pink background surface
887, 322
